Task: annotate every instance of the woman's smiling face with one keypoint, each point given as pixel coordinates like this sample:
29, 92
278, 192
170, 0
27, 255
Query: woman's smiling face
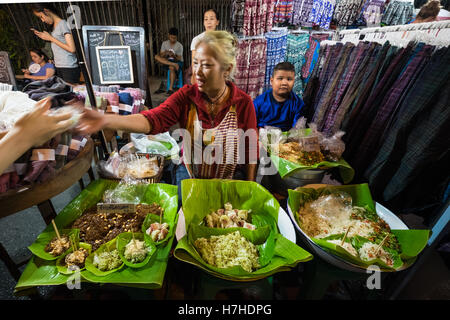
207, 69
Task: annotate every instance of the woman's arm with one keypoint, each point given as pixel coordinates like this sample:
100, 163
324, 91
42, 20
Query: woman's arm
68, 46
48, 73
32, 129
93, 121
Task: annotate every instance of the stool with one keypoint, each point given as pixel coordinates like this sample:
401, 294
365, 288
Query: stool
178, 80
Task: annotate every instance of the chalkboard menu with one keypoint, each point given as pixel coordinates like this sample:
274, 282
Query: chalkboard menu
115, 36
6, 71
115, 64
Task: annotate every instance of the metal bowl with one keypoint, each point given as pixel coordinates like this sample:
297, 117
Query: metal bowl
303, 177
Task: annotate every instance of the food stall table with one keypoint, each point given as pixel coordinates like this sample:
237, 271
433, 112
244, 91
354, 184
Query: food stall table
20, 199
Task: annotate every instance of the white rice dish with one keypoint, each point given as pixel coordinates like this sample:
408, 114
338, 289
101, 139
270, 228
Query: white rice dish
228, 251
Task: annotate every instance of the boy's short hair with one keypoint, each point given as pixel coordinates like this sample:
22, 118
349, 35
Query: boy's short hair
285, 66
173, 32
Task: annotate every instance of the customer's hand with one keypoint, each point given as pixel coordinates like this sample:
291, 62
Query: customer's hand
91, 121
39, 126
44, 35
26, 71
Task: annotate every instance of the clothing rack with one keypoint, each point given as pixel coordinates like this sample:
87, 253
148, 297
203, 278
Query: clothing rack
406, 27
251, 37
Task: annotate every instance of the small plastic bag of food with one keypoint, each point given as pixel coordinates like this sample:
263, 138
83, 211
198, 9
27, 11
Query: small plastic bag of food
298, 131
140, 166
129, 190
111, 167
75, 110
333, 147
271, 137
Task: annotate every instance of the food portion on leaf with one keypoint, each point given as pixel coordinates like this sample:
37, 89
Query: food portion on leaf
99, 228
229, 218
136, 251
107, 260
229, 250
76, 258
58, 245
332, 215
158, 231
370, 251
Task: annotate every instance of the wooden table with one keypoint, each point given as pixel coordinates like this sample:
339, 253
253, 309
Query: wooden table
20, 76
40, 194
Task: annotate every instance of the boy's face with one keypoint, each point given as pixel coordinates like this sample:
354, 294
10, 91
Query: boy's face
282, 82
172, 38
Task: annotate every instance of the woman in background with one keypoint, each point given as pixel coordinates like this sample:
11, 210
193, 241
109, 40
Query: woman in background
210, 22
46, 70
428, 12
62, 43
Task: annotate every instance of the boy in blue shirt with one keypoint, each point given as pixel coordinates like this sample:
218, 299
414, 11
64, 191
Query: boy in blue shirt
279, 106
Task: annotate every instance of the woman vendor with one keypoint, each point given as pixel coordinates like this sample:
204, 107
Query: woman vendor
219, 106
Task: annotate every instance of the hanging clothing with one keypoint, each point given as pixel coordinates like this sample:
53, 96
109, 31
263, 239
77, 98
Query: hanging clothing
258, 16
322, 13
397, 12
251, 66
346, 11
237, 16
312, 54
297, 45
283, 11
276, 52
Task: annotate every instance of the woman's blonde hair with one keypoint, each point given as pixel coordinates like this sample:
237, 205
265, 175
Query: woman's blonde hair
224, 46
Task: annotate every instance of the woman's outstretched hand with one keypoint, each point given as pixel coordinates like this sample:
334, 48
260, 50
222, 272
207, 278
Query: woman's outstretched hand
90, 122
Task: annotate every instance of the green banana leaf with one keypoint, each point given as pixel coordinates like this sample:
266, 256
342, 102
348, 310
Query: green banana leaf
152, 218
201, 197
286, 168
61, 265
38, 247
411, 242
106, 247
38, 272
124, 238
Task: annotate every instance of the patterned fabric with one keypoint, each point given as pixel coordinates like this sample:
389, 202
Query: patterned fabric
313, 53
296, 12
346, 11
237, 15
276, 52
418, 141
373, 13
258, 16
297, 45
304, 12
251, 66
283, 11
225, 139
397, 12
321, 13
371, 139
354, 62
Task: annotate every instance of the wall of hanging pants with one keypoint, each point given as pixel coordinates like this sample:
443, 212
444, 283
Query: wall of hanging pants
276, 52
392, 102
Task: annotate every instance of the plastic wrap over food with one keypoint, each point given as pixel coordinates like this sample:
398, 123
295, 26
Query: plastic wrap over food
136, 166
333, 207
162, 144
333, 147
129, 190
298, 131
271, 137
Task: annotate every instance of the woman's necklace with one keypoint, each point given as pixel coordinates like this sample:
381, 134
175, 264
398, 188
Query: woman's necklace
214, 102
